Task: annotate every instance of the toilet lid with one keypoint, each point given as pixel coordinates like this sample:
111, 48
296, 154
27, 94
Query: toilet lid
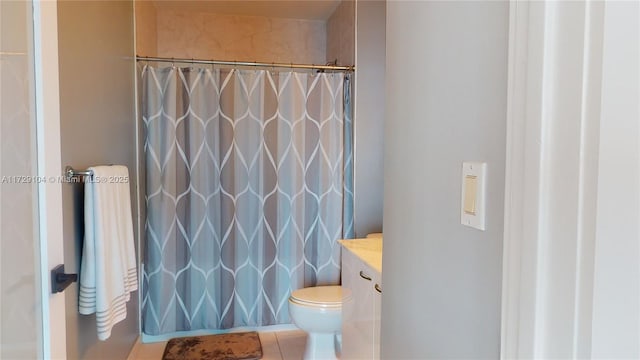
319, 295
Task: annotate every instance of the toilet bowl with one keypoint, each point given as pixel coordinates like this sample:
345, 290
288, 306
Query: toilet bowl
318, 311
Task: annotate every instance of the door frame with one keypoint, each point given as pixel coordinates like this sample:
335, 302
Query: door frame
45, 33
522, 180
563, 135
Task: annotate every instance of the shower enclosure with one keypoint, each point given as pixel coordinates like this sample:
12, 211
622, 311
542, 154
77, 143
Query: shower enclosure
249, 184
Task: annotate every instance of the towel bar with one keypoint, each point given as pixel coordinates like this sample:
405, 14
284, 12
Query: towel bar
70, 173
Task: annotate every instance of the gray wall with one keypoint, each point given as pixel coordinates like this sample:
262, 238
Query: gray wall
369, 115
341, 34
364, 41
446, 103
96, 50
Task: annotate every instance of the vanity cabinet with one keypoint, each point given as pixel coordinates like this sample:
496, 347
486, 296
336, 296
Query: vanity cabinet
360, 308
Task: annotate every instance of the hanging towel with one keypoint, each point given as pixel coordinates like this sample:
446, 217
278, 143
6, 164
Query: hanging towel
108, 271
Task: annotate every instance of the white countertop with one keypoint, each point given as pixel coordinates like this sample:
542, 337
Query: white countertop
368, 250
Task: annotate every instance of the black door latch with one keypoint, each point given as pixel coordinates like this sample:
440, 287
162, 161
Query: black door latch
60, 280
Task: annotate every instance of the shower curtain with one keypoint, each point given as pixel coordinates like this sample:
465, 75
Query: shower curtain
249, 183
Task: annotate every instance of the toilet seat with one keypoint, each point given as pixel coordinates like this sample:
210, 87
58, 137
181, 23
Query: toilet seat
318, 296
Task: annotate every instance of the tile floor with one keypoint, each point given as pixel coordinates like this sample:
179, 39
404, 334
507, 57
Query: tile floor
279, 345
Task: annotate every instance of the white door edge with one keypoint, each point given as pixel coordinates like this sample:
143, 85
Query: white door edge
49, 168
519, 154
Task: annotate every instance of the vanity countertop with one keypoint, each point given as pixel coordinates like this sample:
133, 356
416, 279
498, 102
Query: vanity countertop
368, 250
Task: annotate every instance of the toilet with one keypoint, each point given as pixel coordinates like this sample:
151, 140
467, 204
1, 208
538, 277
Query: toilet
318, 311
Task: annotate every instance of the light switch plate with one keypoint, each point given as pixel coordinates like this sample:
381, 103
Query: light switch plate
473, 194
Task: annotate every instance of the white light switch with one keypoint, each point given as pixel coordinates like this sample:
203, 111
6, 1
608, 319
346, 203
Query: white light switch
472, 204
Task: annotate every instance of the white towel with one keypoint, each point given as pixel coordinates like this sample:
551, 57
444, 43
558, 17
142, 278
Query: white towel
108, 272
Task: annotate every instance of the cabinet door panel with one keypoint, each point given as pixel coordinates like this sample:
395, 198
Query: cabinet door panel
357, 309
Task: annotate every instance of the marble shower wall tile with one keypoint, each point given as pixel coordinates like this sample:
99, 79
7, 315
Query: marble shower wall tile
202, 35
341, 34
19, 293
146, 29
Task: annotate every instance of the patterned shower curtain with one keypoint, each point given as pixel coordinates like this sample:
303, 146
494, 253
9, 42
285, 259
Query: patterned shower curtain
248, 186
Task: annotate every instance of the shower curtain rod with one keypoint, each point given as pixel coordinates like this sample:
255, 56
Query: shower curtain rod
244, 63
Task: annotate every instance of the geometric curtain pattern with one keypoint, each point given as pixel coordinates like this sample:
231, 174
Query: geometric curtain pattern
249, 183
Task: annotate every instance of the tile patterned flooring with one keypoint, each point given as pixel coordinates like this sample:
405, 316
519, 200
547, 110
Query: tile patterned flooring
277, 345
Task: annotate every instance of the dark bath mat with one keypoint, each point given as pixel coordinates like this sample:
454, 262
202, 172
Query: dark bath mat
232, 346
